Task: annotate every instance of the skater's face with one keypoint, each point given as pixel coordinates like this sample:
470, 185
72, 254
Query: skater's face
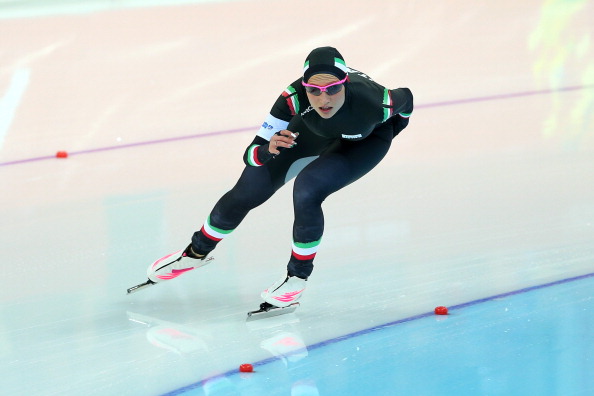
324, 104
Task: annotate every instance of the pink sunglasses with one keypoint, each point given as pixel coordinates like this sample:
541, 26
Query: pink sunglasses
330, 89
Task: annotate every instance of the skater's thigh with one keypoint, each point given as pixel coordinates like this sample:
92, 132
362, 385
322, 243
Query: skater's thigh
291, 161
342, 164
364, 155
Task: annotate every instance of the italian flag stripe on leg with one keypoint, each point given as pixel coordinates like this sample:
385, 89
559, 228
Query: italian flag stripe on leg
305, 251
214, 233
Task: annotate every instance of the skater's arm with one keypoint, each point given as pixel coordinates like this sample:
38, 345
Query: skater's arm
257, 154
401, 108
401, 102
262, 150
273, 134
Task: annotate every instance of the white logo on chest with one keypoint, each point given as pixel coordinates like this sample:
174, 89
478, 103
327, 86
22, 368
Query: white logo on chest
352, 136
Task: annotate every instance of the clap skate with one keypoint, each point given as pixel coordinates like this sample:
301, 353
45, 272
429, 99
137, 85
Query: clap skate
171, 266
280, 298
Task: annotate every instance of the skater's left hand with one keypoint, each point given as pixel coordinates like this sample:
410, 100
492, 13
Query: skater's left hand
282, 139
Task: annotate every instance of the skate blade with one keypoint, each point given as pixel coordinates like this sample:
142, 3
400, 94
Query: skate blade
141, 286
271, 312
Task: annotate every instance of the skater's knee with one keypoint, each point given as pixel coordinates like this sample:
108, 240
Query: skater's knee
306, 195
242, 196
308, 192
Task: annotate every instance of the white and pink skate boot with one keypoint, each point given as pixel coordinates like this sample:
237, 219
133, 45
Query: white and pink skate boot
172, 266
280, 298
285, 291
175, 264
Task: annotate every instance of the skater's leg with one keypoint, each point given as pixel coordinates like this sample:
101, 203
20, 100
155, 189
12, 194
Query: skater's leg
338, 167
253, 188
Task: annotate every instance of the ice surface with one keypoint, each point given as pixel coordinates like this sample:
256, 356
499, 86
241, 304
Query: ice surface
489, 190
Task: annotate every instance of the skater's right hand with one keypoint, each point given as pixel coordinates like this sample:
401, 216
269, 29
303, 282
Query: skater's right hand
282, 139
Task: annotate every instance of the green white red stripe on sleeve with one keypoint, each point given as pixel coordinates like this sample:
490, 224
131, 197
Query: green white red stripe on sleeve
387, 104
292, 100
252, 155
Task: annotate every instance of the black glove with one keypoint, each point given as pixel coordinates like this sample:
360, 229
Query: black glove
398, 124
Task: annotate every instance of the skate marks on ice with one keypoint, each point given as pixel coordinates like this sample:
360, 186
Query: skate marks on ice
171, 266
279, 337
266, 310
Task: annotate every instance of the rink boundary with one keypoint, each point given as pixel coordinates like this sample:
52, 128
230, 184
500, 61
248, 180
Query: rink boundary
456, 102
359, 333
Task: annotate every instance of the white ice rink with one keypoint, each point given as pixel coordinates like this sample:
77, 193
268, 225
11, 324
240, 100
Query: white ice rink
489, 192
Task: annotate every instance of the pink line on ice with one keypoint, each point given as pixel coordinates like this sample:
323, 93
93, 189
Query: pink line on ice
511, 95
